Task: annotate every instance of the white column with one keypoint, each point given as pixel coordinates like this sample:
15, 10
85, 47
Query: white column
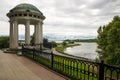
38, 32
15, 34
41, 31
38, 36
35, 35
27, 32
11, 37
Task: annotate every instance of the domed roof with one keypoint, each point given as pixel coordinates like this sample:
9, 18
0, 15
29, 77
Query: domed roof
25, 7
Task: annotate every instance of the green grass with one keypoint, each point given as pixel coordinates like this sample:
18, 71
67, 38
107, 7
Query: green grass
44, 61
40, 60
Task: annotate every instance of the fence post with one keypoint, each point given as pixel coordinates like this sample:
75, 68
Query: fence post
52, 59
33, 53
22, 49
101, 70
40, 46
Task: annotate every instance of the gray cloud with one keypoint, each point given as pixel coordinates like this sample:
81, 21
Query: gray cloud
69, 16
101, 3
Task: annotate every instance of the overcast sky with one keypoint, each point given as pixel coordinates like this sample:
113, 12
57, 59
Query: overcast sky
66, 17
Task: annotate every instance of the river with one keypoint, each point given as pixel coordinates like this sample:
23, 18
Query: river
87, 50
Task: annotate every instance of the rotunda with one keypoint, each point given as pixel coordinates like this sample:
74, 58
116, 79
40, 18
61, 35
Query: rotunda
25, 14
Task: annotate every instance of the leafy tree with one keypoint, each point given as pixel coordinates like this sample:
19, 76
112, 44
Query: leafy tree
54, 44
108, 41
48, 44
64, 43
4, 42
32, 39
45, 42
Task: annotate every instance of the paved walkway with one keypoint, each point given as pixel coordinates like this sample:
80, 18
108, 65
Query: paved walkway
13, 67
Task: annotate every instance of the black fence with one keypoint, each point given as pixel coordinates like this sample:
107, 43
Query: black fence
75, 69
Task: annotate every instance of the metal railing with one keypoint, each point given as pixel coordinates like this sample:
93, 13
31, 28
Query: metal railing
75, 69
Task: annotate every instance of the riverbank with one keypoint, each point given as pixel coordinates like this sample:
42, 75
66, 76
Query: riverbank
60, 47
59, 50
85, 50
71, 43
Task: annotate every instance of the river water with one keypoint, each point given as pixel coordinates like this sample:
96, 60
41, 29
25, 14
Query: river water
87, 50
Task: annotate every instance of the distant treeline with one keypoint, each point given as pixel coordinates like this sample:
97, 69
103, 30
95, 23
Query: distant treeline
86, 40
83, 40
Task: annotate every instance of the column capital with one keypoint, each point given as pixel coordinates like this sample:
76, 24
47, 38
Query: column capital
28, 21
15, 21
40, 22
11, 21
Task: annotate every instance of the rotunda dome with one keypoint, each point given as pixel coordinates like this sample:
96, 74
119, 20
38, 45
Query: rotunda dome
25, 10
25, 7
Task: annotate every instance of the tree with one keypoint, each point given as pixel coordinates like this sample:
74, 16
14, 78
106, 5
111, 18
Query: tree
108, 41
32, 39
64, 43
4, 42
45, 42
54, 44
48, 44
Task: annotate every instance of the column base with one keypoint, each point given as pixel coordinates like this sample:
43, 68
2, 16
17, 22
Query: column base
12, 50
